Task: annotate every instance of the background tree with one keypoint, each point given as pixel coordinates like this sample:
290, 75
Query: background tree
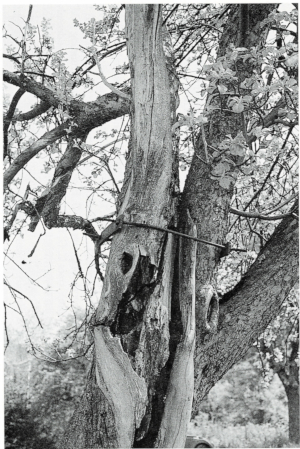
159, 318
279, 348
40, 396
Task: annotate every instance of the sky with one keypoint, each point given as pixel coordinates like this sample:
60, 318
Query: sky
64, 33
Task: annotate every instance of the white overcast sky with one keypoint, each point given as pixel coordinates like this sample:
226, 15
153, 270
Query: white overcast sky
61, 15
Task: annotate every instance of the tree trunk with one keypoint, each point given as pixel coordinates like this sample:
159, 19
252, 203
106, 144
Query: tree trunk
140, 389
131, 328
289, 376
294, 416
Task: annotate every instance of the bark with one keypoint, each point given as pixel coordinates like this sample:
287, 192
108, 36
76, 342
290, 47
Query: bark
207, 201
142, 372
33, 113
26, 155
132, 320
85, 117
247, 310
31, 86
292, 393
140, 388
289, 376
60, 182
8, 118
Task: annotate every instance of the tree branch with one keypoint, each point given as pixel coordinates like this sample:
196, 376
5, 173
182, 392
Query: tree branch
252, 304
60, 182
12, 58
33, 113
242, 213
104, 80
8, 119
32, 86
87, 116
28, 299
48, 138
269, 119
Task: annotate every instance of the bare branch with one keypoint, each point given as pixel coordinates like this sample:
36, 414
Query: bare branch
33, 113
5, 327
27, 275
12, 58
92, 154
8, 119
48, 138
24, 39
292, 197
76, 255
261, 216
75, 222
32, 86
60, 182
26, 297
107, 84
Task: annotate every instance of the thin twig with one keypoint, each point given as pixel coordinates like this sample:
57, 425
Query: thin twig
91, 154
24, 40
104, 80
292, 197
26, 297
5, 327
76, 255
29, 277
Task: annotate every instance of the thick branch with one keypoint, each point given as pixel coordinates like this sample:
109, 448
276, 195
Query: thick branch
251, 305
60, 182
31, 151
241, 213
32, 86
88, 116
269, 120
8, 118
33, 113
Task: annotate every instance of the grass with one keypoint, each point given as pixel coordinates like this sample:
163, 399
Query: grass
250, 435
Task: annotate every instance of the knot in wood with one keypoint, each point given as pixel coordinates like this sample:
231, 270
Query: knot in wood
208, 302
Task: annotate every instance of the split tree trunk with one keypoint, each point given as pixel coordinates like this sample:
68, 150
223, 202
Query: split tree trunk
140, 388
124, 398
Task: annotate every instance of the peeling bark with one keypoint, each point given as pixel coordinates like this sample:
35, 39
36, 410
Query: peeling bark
132, 319
178, 405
